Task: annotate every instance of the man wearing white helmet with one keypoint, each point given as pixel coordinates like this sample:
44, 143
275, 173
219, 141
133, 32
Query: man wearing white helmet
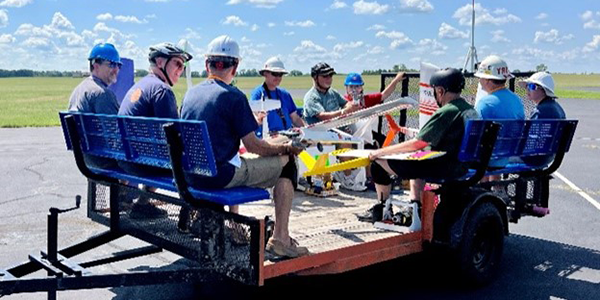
500, 103
152, 96
285, 117
540, 90
229, 119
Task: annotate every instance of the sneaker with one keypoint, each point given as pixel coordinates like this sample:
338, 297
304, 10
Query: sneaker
146, 211
276, 247
372, 214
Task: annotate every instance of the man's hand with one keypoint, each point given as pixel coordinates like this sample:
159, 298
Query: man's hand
399, 77
375, 155
260, 116
350, 108
291, 149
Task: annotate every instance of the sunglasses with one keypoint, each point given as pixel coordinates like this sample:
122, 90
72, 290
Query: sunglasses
111, 64
277, 74
179, 64
532, 86
326, 76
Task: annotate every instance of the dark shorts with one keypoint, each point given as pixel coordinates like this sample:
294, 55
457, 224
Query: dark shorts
440, 167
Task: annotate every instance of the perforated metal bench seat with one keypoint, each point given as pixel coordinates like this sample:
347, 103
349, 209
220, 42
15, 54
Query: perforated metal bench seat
142, 141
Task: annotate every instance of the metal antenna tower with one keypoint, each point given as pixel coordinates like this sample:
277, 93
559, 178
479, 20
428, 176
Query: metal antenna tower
472, 53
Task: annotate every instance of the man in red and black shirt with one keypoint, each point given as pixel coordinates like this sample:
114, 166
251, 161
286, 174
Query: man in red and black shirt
355, 92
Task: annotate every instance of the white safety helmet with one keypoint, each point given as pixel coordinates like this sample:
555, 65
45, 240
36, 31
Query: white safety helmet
543, 79
493, 67
273, 64
224, 46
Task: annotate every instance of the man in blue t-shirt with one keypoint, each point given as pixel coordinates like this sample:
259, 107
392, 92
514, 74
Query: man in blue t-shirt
229, 119
285, 117
500, 102
152, 96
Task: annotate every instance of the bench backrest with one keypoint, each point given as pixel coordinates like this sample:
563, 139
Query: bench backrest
142, 140
516, 138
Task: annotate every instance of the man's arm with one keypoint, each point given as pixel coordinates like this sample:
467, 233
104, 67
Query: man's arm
263, 148
296, 120
349, 108
408, 146
392, 86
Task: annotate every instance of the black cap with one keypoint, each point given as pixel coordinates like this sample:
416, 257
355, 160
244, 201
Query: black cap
321, 69
450, 79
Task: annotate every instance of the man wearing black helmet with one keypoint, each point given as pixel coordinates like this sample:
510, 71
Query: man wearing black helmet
152, 96
322, 102
443, 132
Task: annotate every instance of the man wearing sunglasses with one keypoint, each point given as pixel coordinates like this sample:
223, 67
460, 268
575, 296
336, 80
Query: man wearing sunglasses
540, 90
92, 94
285, 117
322, 102
152, 96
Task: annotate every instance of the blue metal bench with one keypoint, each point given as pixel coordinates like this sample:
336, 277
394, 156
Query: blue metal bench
516, 140
143, 141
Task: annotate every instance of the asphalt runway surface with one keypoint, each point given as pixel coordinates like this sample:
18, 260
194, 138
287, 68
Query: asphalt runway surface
555, 257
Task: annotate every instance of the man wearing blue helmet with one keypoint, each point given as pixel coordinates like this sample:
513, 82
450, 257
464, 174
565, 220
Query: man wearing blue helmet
92, 94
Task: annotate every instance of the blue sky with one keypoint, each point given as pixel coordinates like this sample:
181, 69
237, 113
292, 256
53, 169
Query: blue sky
350, 35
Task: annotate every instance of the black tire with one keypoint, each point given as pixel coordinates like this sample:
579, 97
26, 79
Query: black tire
480, 249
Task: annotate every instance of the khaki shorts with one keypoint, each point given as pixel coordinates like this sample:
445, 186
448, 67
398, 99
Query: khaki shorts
261, 172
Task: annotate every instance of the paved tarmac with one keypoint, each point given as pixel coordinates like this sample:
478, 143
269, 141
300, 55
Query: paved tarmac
556, 257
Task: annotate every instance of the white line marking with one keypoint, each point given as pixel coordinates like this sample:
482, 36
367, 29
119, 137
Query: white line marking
578, 190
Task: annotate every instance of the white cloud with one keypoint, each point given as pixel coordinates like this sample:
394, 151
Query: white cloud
399, 39
498, 36
338, 4
60, 22
15, 3
330, 37
376, 27
376, 50
254, 27
6, 39
416, 5
191, 34
104, 17
369, 8
483, 16
40, 43
235, 21
289, 33
590, 22
307, 23
245, 39
130, 19
151, 16
431, 47
308, 46
551, 36
257, 3
342, 47
448, 32
541, 16
271, 24
3, 18
593, 45
30, 30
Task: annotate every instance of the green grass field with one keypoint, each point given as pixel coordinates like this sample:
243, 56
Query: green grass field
36, 101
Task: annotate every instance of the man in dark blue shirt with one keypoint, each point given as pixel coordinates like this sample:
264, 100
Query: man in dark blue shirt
152, 96
229, 119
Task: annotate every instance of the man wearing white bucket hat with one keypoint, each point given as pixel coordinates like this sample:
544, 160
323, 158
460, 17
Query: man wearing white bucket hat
500, 103
540, 90
282, 118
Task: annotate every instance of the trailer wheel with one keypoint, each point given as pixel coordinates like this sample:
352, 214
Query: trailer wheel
480, 250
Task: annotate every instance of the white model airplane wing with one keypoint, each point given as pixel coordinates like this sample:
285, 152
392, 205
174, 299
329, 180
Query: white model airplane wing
264, 105
373, 111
